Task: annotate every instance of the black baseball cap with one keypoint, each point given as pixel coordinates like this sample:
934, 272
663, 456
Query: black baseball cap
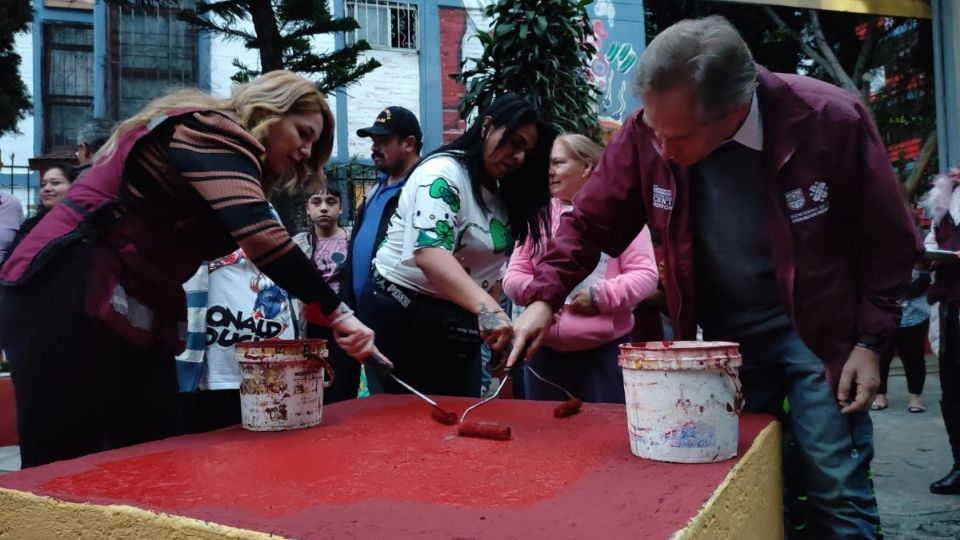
394, 121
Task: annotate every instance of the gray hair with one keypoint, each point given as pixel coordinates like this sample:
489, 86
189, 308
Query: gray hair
95, 133
707, 56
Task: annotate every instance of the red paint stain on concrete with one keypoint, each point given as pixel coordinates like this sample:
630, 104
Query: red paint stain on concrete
380, 467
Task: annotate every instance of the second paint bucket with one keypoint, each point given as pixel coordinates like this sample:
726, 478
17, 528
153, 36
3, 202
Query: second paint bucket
683, 399
282, 382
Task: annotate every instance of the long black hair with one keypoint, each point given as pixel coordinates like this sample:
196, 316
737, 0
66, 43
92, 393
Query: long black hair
525, 193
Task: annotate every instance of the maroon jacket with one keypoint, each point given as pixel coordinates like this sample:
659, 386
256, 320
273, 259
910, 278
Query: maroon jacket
843, 243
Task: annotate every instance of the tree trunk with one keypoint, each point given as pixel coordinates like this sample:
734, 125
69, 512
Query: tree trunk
268, 35
912, 183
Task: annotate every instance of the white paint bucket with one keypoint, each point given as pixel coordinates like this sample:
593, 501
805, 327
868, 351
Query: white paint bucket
683, 399
282, 382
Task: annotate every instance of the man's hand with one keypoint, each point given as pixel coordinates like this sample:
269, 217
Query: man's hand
583, 304
863, 370
530, 327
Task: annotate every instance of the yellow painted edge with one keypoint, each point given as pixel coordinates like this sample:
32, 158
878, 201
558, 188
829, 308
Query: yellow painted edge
894, 8
29, 516
748, 504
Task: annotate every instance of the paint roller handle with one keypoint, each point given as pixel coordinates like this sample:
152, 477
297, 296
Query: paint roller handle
380, 359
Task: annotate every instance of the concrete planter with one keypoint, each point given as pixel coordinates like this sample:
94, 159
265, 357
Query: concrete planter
8, 412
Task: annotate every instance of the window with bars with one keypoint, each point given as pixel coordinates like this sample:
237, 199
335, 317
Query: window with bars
384, 24
151, 52
67, 83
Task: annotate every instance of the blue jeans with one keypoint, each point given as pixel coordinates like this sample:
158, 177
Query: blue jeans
826, 453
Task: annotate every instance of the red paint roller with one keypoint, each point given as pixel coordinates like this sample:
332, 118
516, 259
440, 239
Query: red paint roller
569, 407
485, 430
437, 413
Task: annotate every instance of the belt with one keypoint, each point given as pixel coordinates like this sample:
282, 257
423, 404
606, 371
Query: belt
402, 295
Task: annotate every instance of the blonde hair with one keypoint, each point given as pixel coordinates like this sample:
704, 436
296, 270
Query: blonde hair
258, 105
581, 148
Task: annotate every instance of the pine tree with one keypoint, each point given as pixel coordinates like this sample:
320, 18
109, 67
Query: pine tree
539, 49
282, 33
15, 103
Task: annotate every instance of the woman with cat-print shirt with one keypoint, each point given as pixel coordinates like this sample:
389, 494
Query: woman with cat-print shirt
434, 294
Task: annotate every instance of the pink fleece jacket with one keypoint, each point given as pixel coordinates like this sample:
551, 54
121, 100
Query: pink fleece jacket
629, 278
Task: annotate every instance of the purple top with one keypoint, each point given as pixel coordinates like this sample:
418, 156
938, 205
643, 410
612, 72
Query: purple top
11, 216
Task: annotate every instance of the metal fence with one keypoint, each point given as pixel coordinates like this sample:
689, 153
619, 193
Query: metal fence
15, 178
292, 206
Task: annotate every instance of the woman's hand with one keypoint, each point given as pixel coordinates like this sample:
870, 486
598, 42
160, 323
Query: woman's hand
355, 338
583, 303
495, 327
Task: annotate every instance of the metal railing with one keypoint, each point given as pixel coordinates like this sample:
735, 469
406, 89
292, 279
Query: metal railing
16, 179
384, 23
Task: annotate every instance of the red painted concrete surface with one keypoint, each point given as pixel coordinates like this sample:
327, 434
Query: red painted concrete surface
380, 466
8, 413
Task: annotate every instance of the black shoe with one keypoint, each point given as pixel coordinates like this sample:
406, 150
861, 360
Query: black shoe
949, 484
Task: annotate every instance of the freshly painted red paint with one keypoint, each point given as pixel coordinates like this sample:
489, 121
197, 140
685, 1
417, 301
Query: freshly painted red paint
381, 467
8, 413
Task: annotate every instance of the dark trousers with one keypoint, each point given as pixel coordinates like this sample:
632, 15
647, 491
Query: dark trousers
424, 355
346, 370
593, 376
207, 410
949, 357
908, 342
79, 388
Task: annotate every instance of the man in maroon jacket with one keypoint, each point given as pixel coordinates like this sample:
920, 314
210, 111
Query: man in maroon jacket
777, 223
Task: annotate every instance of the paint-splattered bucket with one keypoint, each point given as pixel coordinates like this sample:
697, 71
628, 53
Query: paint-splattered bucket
683, 399
282, 382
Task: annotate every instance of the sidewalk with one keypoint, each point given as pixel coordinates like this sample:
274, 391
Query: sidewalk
911, 452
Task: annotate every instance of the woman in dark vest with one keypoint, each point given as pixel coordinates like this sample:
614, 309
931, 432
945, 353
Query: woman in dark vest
93, 311
54, 183
943, 202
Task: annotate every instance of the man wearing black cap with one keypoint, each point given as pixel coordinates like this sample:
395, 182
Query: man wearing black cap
395, 150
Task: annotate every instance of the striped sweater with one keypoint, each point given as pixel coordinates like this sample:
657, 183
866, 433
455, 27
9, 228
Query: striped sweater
198, 179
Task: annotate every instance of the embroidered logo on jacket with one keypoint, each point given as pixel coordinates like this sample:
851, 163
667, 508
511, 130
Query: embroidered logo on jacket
818, 192
795, 199
662, 198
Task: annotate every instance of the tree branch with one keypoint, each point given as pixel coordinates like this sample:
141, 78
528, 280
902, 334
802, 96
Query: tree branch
912, 183
840, 74
202, 23
804, 46
869, 40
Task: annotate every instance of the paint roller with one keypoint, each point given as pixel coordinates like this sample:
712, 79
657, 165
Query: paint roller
437, 413
569, 407
486, 430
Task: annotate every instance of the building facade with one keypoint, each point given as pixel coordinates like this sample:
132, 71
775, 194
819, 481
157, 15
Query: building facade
84, 58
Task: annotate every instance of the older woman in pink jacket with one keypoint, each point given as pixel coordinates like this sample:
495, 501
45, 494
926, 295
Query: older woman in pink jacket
581, 348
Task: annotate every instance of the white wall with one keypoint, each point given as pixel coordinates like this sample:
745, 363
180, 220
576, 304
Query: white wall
395, 82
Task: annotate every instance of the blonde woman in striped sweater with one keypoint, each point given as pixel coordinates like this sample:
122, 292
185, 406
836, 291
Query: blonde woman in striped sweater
185, 180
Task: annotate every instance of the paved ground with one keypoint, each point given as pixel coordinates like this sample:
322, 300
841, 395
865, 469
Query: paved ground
911, 452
